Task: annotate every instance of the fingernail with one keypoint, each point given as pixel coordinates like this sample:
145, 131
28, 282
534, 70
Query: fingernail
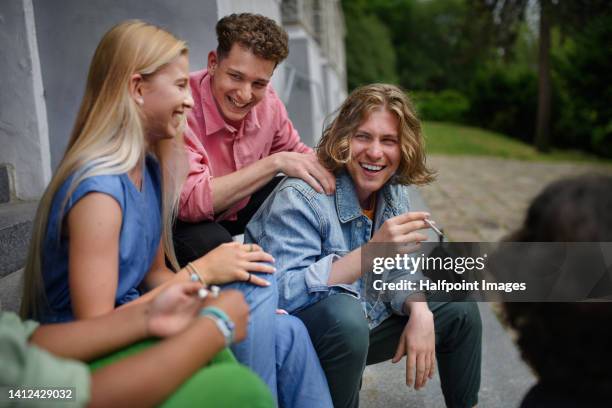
268, 283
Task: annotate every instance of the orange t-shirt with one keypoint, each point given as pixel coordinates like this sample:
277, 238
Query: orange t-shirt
370, 213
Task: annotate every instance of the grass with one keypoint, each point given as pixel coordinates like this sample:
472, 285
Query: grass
460, 140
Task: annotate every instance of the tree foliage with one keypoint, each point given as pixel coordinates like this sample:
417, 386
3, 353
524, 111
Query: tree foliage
370, 56
486, 52
438, 43
584, 74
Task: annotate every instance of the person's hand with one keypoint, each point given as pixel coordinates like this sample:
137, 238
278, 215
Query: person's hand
307, 167
233, 304
233, 262
401, 230
418, 342
173, 309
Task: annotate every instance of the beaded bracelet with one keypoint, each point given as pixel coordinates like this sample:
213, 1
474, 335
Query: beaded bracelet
222, 320
214, 291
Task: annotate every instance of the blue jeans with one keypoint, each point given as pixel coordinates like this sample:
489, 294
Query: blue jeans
279, 350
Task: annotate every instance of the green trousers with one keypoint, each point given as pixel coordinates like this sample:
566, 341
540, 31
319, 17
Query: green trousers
222, 383
345, 345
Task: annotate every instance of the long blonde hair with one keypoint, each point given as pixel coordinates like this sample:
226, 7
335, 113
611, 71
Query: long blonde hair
108, 137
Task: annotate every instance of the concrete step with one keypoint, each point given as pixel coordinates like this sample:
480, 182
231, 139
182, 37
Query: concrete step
15, 231
505, 377
11, 287
5, 184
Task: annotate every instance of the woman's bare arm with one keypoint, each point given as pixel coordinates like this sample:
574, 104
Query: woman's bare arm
167, 314
90, 338
94, 226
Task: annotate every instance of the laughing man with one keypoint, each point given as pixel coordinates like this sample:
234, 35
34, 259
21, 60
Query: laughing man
239, 137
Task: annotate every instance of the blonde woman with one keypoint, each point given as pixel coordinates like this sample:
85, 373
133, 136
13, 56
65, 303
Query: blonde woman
98, 237
103, 225
103, 228
375, 148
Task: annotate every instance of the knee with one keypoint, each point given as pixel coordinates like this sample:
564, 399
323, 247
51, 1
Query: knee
293, 326
347, 329
467, 319
292, 340
471, 318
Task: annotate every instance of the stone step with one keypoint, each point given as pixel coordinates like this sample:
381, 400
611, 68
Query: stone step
11, 287
15, 231
505, 377
5, 184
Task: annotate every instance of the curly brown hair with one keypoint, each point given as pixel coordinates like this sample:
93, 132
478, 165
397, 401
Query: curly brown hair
259, 34
333, 150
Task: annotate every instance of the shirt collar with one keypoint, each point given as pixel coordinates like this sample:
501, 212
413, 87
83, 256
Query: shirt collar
214, 119
252, 119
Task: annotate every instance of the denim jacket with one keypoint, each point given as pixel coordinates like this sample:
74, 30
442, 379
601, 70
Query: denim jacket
306, 231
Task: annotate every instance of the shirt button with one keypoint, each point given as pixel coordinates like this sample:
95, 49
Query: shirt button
359, 224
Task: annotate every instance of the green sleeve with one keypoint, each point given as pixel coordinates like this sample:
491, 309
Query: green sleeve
26, 365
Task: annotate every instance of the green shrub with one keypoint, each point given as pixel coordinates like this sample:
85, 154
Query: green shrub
446, 106
584, 73
370, 56
504, 99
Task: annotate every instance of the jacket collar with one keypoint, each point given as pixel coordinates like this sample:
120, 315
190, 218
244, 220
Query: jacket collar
347, 203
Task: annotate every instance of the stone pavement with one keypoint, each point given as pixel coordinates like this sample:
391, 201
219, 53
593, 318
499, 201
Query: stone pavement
483, 199
505, 378
475, 199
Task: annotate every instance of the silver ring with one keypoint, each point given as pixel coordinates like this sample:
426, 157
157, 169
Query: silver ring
249, 279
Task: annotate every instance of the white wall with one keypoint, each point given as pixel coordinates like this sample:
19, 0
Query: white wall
24, 140
69, 30
268, 8
335, 87
307, 104
46, 47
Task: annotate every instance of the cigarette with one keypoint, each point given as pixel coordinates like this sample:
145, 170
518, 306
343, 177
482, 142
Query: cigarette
433, 227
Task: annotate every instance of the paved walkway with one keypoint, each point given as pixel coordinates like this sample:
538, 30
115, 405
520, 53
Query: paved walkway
483, 199
475, 199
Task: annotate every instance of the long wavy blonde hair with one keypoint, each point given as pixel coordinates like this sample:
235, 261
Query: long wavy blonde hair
333, 150
108, 137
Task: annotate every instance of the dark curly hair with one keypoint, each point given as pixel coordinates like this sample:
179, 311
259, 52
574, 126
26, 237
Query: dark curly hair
259, 34
568, 344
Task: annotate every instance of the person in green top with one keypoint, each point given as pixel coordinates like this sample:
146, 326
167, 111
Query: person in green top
144, 372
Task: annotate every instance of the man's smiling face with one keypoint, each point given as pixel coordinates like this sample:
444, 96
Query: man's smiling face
239, 81
375, 153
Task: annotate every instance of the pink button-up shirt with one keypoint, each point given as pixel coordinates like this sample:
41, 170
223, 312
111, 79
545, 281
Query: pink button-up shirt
215, 148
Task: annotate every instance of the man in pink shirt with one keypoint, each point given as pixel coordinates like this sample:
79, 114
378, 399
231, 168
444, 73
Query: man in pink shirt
239, 137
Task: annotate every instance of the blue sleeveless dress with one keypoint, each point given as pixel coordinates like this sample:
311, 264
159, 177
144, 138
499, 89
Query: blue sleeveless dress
139, 238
